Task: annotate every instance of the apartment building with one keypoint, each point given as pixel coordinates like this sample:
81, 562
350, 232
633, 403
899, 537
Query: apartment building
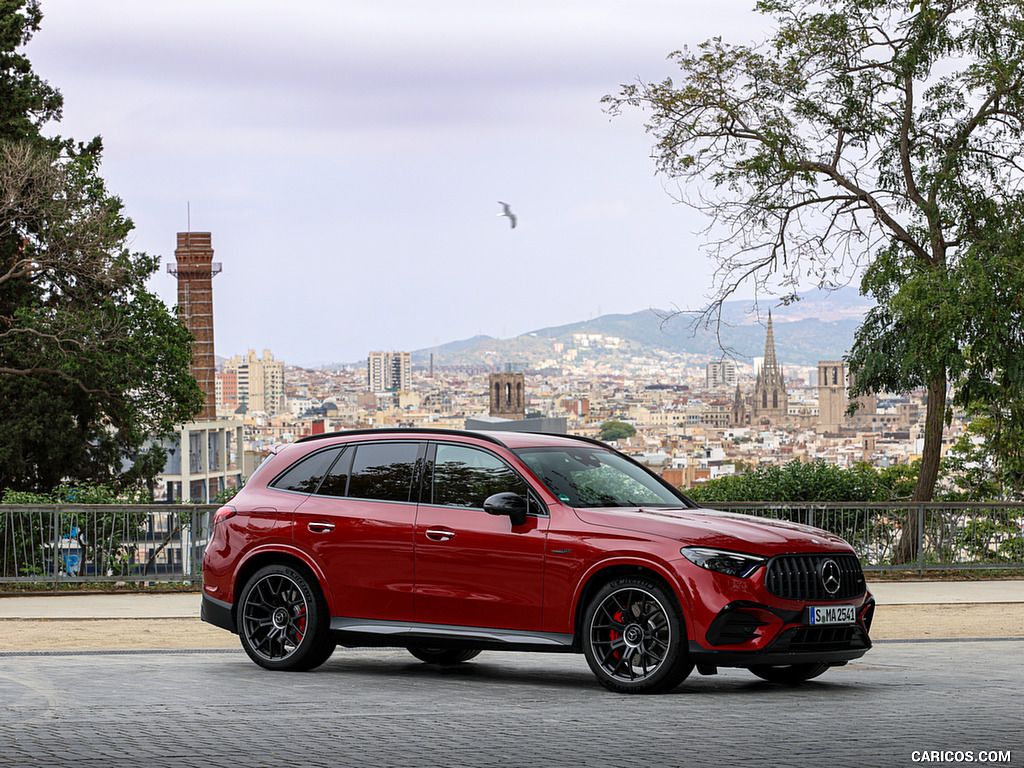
389, 371
258, 382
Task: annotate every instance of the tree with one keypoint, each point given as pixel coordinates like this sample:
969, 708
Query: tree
26, 101
863, 132
615, 430
92, 365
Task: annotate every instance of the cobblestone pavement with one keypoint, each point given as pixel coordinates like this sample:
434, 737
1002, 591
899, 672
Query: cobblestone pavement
382, 708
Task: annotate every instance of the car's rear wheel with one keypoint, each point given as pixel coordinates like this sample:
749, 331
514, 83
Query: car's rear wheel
283, 620
444, 655
634, 637
792, 674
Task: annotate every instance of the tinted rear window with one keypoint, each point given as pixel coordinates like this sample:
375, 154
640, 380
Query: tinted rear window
305, 475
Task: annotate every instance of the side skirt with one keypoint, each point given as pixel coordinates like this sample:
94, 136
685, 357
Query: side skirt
378, 633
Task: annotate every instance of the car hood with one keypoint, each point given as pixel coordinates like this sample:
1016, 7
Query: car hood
712, 528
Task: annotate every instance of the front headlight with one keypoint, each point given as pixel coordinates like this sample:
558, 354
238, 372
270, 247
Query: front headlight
723, 561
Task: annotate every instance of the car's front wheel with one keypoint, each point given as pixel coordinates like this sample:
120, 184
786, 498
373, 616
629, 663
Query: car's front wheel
283, 620
444, 655
634, 637
792, 674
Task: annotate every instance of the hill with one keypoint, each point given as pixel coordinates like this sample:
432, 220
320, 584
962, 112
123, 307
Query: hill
819, 327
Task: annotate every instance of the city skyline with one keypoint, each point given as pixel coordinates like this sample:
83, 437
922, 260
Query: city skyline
356, 150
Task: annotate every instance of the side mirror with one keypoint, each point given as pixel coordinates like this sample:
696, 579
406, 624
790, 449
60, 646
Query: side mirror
510, 504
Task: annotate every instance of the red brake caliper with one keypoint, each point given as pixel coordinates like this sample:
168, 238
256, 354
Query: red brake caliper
613, 635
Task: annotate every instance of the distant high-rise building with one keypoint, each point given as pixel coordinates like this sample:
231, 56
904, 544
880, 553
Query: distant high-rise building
721, 373
259, 382
227, 391
389, 371
770, 404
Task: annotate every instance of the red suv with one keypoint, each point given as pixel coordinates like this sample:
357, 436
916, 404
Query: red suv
449, 543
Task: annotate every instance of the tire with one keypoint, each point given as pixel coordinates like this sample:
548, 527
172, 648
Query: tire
634, 637
443, 655
283, 621
793, 674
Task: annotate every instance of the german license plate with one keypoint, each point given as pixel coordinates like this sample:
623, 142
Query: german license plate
831, 614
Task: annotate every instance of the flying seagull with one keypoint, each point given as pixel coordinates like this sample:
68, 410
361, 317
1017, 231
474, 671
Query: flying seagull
508, 212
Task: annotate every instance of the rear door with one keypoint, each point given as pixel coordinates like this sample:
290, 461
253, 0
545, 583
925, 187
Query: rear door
359, 527
472, 568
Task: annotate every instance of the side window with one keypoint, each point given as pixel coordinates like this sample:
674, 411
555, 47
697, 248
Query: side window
383, 471
305, 475
464, 477
336, 481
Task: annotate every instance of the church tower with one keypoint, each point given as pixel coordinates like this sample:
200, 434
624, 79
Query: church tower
770, 406
739, 409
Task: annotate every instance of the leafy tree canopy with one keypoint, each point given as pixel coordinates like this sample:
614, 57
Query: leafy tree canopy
92, 365
615, 430
877, 135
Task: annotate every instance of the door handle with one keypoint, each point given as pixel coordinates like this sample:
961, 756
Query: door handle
440, 534
320, 527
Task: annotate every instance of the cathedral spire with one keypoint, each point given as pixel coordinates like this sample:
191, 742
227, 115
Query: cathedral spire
771, 401
770, 366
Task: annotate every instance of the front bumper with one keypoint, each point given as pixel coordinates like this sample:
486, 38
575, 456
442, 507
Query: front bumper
789, 639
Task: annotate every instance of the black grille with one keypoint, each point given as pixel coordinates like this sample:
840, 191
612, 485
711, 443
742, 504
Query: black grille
798, 577
821, 639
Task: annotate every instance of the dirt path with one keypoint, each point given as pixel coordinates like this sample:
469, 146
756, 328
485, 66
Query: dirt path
891, 623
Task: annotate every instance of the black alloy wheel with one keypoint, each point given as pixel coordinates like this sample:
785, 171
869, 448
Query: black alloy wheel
283, 620
634, 637
791, 674
444, 656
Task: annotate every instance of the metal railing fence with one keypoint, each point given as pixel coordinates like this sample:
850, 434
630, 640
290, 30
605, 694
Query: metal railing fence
45, 543
101, 543
914, 535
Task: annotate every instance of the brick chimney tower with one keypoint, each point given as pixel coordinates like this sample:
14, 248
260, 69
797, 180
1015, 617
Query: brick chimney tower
195, 269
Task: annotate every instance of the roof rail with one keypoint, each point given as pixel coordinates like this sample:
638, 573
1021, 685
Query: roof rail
404, 430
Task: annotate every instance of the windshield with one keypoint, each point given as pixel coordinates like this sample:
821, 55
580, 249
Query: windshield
589, 476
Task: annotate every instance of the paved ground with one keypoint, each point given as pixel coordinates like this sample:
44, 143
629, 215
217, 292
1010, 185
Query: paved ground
201, 702
381, 708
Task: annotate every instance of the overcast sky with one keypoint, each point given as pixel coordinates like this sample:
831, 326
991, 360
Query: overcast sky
348, 155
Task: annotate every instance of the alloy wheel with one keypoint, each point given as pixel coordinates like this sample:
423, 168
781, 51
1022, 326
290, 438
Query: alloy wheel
274, 617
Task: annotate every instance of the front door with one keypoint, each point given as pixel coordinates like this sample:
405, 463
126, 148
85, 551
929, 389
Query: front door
472, 568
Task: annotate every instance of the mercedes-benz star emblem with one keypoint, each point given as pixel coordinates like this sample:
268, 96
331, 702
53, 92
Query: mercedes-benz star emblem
831, 576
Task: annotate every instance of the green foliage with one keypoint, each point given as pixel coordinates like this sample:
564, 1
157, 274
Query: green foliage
796, 481
987, 462
92, 365
26, 101
83, 493
615, 430
227, 494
